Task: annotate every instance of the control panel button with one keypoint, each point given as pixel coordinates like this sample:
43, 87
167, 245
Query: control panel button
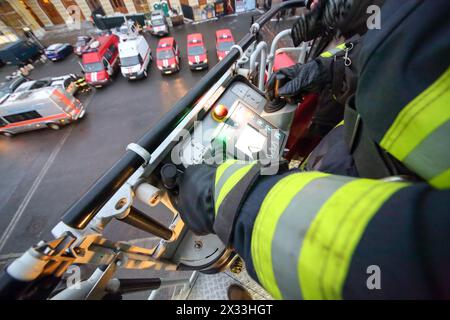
219, 112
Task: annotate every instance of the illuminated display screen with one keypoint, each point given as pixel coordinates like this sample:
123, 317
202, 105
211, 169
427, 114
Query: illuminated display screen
250, 141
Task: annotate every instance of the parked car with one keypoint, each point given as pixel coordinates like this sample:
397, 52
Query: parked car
42, 108
196, 52
135, 57
158, 24
58, 51
224, 42
168, 56
20, 52
81, 45
66, 82
8, 87
101, 61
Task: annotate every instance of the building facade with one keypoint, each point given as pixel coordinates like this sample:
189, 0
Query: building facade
42, 15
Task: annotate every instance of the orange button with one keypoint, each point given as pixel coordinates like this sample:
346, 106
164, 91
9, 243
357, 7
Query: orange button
220, 112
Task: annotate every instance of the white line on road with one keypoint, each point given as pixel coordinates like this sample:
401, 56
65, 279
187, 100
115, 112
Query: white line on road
34, 186
6, 257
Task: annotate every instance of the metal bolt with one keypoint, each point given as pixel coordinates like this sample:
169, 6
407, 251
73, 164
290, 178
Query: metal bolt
198, 244
121, 203
79, 251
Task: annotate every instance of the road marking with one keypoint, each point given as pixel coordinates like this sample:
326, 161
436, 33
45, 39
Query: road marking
6, 257
34, 186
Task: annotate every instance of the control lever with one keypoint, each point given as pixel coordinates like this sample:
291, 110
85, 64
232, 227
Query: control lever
169, 174
169, 178
277, 103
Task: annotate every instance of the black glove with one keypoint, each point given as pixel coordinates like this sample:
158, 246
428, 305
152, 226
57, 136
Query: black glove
309, 26
301, 79
196, 200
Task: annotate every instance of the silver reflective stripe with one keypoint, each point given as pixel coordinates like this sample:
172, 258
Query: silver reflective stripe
432, 156
225, 176
291, 230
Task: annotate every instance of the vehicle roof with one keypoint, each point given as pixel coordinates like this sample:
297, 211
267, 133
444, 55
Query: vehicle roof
105, 39
10, 45
37, 94
223, 32
198, 37
93, 54
165, 43
55, 46
27, 84
10, 83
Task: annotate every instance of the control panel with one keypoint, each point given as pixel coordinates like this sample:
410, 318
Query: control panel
233, 128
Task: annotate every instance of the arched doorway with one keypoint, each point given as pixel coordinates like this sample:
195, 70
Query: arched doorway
119, 6
51, 11
94, 4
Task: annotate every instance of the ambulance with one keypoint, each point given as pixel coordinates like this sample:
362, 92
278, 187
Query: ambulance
168, 56
196, 52
47, 107
135, 57
101, 60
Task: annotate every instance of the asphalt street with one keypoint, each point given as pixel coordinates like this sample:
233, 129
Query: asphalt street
43, 172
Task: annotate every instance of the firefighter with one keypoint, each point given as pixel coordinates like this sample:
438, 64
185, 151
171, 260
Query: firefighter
331, 22
316, 235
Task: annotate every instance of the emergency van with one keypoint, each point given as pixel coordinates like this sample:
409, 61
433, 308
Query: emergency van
168, 56
101, 60
224, 42
135, 57
196, 52
47, 107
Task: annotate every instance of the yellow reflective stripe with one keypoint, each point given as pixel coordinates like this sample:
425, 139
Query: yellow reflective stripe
419, 118
334, 234
326, 55
221, 169
441, 181
340, 124
230, 183
331, 53
273, 206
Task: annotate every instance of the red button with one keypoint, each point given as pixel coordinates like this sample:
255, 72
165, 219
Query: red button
220, 112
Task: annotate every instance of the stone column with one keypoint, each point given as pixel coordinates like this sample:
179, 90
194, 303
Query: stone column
59, 6
33, 4
107, 7
129, 4
84, 8
23, 12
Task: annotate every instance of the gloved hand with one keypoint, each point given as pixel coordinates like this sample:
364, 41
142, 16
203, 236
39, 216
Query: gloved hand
195, 198
301, 79
310, 26
349, 17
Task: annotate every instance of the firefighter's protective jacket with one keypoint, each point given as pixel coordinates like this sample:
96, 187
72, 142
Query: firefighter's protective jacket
316, 235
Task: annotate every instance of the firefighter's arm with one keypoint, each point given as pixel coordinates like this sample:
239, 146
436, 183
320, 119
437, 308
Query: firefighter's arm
315, 75
310, 235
